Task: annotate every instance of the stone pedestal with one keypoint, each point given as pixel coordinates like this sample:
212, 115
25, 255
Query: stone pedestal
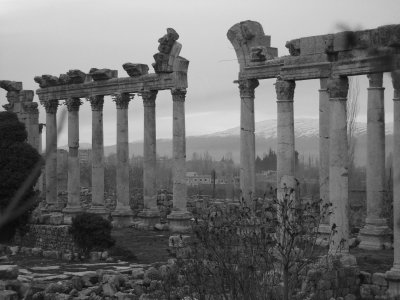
376, 232
393, 276
247, 140
149, 218
73, 205
179, 221
122, 216
324, 227
338, 164
97, 205
52, 203
179, 217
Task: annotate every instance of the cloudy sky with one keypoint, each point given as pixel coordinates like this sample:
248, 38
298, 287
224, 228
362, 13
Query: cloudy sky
53, 36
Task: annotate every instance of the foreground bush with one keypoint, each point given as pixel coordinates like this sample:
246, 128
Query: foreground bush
19, 169
91, 232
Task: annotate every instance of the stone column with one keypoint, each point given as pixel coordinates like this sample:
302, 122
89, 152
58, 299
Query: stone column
122, 216
74, 187
40, 182
247, 140
285, 132
338, 164
150, 214
375, 232
393, 276
51, 155
324, 227
179, 219
97, 205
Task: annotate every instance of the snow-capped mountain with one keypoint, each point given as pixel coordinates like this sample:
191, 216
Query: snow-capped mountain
303, 127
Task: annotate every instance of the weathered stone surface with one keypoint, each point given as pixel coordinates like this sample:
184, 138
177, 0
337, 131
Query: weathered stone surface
135, 70
168, 51
8, 295
8, 271
379, 279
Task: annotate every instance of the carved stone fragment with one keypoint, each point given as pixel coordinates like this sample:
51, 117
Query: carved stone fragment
135, 70
46, 80
10, 86
257, 54
76, 76
101, 74
284, 89
168, 51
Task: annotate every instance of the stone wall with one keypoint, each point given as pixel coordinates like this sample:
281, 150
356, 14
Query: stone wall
47, 237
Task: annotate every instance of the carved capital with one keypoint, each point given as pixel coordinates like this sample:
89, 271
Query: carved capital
396, 84
178, 95
50, 106
375, 80
31, 107
284, 89
122, 100
149, 98
12, 97
247, 87
338, 87
96, 102
73, 104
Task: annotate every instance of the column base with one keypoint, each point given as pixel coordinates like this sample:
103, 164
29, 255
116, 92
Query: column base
149, 218
179, 221
98, 209
393, 278
122, 217
324, 235
52, 207
70, 212
375, 236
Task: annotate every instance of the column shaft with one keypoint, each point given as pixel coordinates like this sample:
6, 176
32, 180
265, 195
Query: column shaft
97, 205
73, 205
179, 217
338, 163
51, 150
285, 133
247, 140
122, 102
324, 152
375, 233
149, 152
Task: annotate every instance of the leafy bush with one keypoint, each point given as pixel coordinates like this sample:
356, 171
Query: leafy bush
91, 232
19, 169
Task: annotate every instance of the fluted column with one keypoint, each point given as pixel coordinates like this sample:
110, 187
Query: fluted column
393, 276
285, 132
376, 232
324, 227
73, 205
338, 164
150, 213
51, 150
247, 140
179, 217
97, 205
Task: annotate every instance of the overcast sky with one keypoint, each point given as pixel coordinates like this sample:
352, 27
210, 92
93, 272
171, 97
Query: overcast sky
53, 36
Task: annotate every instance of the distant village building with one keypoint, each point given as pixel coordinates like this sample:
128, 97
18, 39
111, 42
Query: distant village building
194, 179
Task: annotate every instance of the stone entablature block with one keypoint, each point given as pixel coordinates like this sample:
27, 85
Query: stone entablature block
341, 54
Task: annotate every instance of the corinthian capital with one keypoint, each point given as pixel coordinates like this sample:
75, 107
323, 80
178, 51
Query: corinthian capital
31, 107
149, 98
247, 87
396, 84
73, 104
375, 79
50, 106
96, 102
178, 95
122, 100
338, 87
284, 89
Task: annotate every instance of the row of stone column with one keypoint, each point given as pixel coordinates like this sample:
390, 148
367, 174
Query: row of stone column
333, 147
122, 213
